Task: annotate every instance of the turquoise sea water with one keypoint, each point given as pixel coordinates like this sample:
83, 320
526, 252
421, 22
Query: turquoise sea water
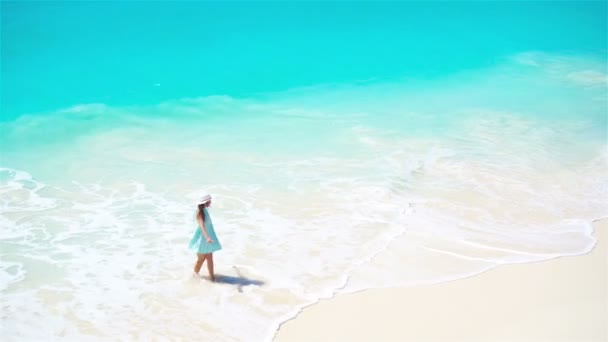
348, 146
59, 54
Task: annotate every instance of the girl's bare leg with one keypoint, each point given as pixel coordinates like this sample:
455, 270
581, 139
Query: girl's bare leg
210, 266
199, 262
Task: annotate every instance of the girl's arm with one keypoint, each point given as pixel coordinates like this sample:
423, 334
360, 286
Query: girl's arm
201, 223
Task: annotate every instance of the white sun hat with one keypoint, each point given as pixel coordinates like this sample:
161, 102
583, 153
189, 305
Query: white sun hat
204, 199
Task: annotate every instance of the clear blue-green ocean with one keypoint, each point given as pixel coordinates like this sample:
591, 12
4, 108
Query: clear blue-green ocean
346, 145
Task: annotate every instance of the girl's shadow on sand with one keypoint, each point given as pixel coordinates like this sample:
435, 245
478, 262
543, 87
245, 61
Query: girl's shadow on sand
240, 281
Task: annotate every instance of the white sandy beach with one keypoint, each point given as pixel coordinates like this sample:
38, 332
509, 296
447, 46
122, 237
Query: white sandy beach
564, 299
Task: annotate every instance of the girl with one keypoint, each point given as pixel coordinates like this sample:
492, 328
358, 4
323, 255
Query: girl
204, 242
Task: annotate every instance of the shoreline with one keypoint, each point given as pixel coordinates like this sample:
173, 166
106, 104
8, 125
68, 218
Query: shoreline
560, 299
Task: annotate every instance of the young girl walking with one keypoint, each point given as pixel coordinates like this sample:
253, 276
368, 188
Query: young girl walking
204, 242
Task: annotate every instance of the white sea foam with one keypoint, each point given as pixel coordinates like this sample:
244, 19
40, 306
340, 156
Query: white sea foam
116, 256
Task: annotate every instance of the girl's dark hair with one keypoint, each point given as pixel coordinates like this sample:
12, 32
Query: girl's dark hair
201, 211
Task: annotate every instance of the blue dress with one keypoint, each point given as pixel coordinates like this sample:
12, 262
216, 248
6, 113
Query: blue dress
199, 244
